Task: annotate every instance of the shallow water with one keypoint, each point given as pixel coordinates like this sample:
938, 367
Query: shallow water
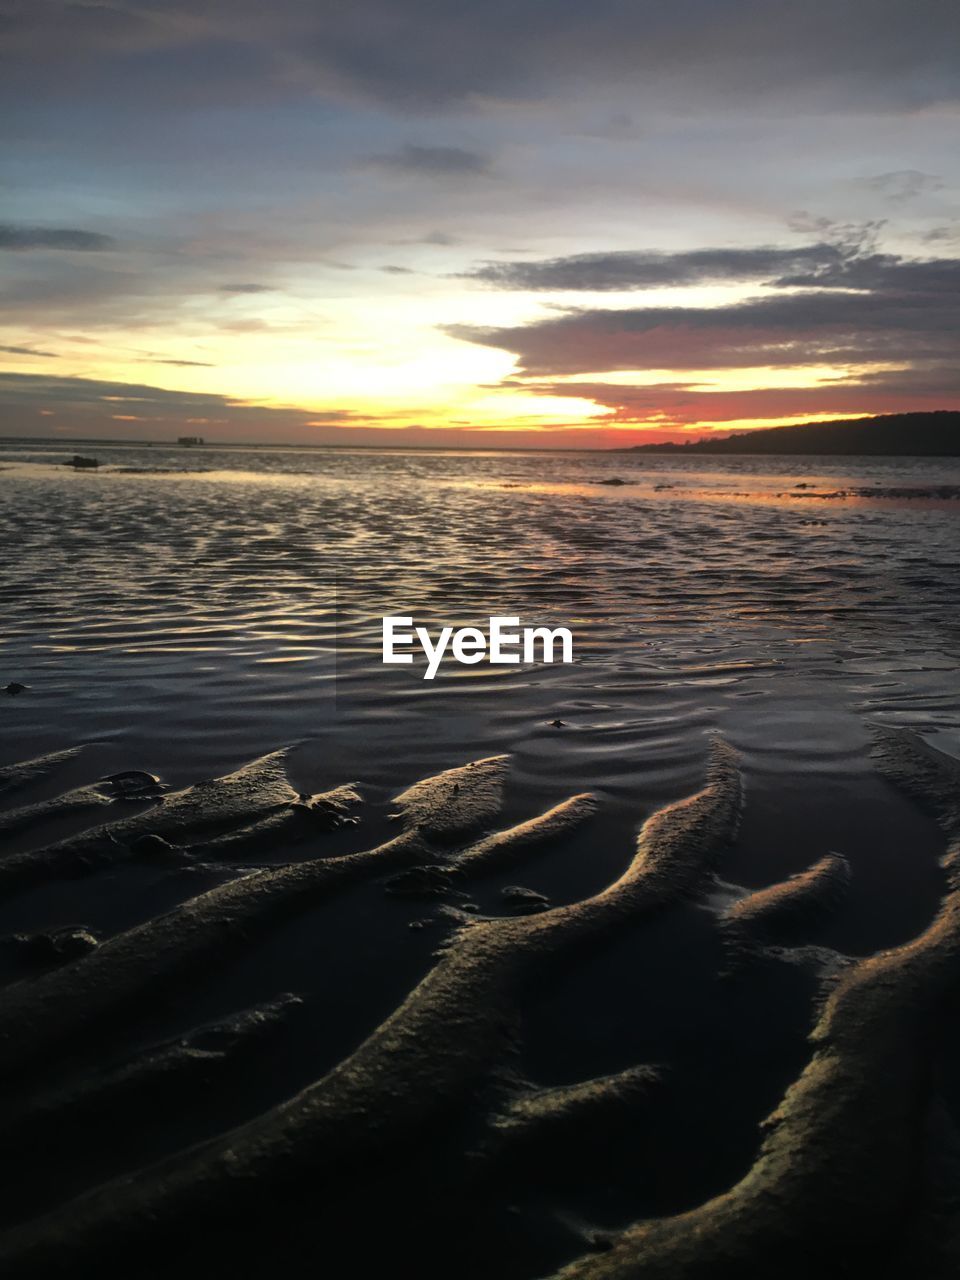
191, 603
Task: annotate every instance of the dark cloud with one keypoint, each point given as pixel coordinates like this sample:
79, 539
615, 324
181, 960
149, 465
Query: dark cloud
426, 53
184, 364
882, 274
29, 351
245, 288
435, 239
852, 237
847, 259
435, 162
871, 309
86, 405
599, 272
423, 52
32, 237
28, 388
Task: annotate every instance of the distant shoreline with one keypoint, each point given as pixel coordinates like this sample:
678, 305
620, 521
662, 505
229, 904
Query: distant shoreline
107, 441
895, 435
902, 435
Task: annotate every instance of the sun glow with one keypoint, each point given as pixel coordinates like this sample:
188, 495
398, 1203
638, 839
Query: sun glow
754, 378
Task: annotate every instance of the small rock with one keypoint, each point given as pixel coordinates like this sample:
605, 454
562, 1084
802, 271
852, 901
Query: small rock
133, 784
329, 815
423, 882
558, 724
521, 901
455, 915
152, 846
54, 946
15, 687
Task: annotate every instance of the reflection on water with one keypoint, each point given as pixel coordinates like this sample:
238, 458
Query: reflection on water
185, 607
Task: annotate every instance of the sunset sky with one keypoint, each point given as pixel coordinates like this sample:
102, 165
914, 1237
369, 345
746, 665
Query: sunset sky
515, 222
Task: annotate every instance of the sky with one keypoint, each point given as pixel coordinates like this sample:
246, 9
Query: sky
522, 222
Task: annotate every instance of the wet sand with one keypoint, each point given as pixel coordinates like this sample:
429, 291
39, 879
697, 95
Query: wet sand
285, 1017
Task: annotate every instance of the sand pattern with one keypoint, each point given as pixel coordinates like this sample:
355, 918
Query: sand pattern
439, 1137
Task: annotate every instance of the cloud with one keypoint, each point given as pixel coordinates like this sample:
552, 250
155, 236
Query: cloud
32, 237
600, 272
678, 404
26, 388
184, 364
852, 237
902, 185
883, 274
793, 329
88, 290
84, 405
433, 162
422, 54
29, 351
845, 309
244, 288
845, 257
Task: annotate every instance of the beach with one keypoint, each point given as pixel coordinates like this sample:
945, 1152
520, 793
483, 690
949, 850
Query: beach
747, 631
479, 640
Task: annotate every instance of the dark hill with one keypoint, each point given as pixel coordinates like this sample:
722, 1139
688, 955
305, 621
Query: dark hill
894, 435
